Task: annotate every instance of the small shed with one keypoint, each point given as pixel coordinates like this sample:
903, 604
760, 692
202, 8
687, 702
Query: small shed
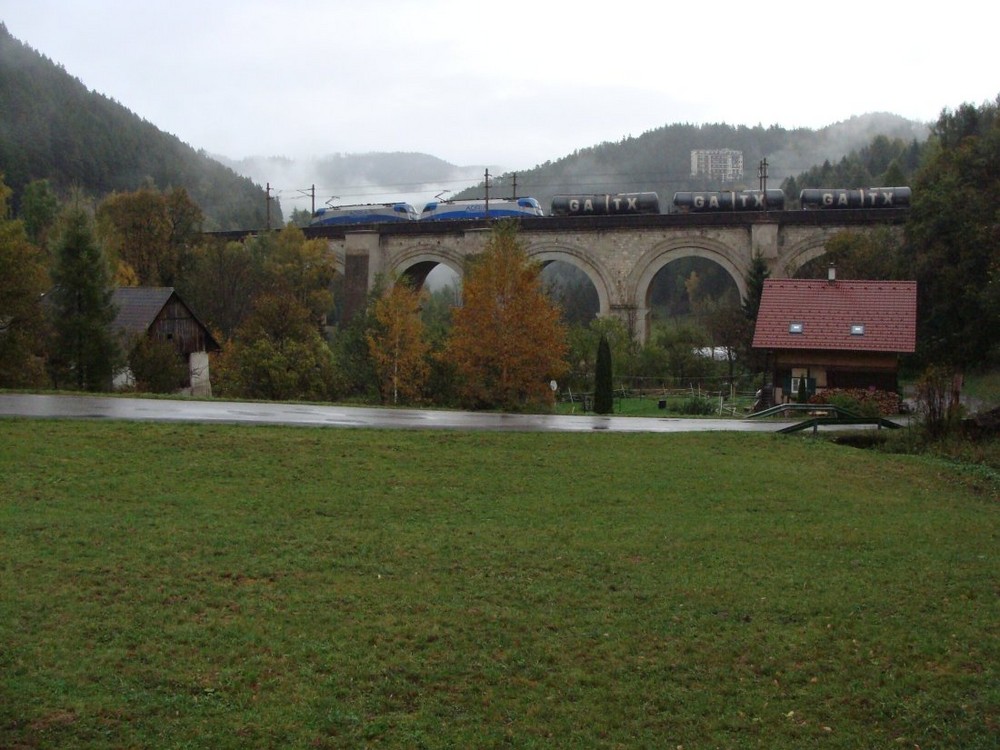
159, 312
832, 333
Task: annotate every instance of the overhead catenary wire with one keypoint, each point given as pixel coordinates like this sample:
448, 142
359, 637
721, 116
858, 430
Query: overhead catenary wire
593, 182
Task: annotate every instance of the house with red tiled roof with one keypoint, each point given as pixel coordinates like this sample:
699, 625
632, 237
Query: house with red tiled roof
160, 313
835, 333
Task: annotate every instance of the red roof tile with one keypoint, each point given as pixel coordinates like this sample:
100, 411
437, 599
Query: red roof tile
828, 311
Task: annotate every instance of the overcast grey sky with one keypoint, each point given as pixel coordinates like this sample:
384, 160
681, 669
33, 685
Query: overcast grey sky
504, 83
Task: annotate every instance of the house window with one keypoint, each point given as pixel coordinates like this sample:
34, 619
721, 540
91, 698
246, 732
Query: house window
795, 327
857, 329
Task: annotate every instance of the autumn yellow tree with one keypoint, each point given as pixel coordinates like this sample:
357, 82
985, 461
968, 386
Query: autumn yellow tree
149, 235
507, 341
397, 344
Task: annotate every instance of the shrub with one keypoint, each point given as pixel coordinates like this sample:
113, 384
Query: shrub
157, 366
939, 400
696, 405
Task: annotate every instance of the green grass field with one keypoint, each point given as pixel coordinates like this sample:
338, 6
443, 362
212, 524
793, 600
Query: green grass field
181, 586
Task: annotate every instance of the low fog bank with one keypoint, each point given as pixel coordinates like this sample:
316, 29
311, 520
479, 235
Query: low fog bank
341, 179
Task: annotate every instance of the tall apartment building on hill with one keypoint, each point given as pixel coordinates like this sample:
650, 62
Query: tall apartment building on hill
720, 164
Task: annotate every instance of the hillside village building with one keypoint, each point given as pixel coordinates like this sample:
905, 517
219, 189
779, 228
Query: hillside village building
719, 164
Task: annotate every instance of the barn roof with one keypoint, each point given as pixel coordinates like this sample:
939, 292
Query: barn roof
138, 306
876, 316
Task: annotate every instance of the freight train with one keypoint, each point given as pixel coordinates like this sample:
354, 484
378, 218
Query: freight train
608, 204
809, 199
617, 204
733, 200
877, 197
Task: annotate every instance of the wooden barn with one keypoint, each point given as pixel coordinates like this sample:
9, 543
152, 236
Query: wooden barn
832, 333
159, 312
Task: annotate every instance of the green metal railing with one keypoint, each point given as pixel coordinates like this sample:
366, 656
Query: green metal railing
833, 415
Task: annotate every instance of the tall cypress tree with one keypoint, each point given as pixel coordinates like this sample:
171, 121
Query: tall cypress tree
85, 348
755, 278
603, 387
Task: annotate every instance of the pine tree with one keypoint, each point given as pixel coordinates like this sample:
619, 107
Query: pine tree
86, 349
755, 279
603, 384
755, 286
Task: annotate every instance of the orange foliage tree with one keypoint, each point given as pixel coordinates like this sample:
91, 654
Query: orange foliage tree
507, 341
397, 344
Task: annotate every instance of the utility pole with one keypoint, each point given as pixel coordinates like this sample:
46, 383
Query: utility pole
487, 181
762, 176
269, 206
513, 190
311, 192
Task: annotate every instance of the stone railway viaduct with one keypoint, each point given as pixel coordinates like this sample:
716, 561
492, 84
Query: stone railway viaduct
620, 255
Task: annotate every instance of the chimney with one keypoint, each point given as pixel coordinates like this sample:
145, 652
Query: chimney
831, 273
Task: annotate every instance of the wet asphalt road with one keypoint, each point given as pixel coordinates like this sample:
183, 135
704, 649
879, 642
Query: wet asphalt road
289, 413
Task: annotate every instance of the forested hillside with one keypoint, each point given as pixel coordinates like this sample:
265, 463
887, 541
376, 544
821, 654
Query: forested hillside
52, 127
660, 160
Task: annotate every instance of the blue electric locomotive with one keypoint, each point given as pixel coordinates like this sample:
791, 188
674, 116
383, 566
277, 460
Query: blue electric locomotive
366, 213
477, 209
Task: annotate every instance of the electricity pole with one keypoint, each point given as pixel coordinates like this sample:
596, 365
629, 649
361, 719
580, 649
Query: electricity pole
311, 192
762, 176
487, 181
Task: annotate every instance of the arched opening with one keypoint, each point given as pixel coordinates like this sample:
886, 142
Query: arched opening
687, 290
574, 292
813, 269
442, 276
695, 326
441, 287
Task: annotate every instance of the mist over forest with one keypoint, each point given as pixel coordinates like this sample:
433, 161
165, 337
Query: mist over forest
57, 129
657, 161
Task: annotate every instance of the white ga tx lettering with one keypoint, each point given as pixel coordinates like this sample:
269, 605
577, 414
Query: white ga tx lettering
839, 198
711, 200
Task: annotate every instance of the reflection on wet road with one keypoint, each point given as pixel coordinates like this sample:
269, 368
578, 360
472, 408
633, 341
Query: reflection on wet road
103, 407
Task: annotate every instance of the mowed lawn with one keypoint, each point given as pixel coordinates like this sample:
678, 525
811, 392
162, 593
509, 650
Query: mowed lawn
183, 586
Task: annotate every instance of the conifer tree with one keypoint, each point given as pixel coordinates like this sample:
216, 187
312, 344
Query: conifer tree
86, 350
603, 384
755, 286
